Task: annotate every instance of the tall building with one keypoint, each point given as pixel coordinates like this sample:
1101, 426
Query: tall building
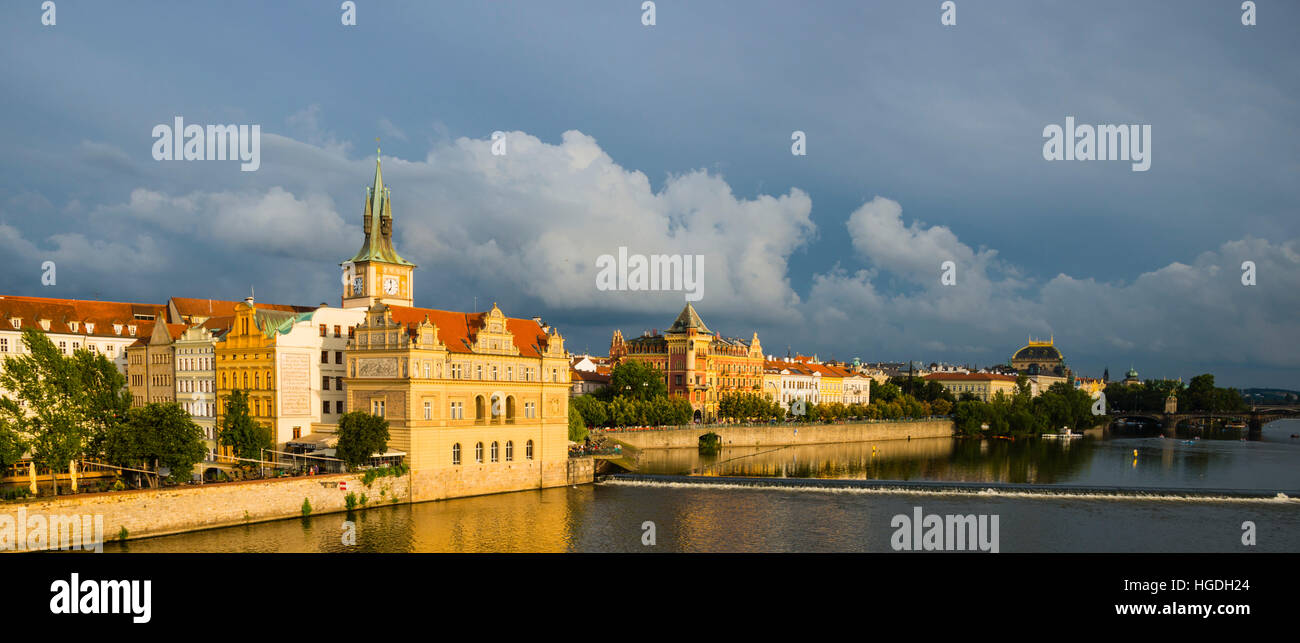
151, 366
700, 365
377, 273
289, 364
477, 401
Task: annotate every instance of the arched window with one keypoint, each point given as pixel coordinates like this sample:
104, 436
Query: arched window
510, 450
528, 449
455, 453
494, 451
478, 452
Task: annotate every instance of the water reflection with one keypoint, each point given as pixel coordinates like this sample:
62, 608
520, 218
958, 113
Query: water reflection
1130, 460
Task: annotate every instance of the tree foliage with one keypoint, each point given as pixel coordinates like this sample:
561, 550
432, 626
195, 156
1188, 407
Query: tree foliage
157, 434
59, 407
239, 432
635, 379
361, 436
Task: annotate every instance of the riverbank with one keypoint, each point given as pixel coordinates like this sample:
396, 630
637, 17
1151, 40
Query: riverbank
784, 434
146, 513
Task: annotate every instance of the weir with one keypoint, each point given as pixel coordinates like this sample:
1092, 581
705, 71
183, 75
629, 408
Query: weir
931, 486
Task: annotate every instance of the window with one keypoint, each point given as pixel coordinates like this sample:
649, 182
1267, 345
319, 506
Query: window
428, 410
338, 383
528, 449
478, 452
478, 372
426, 370
455, 453
457, 410
63, 347
510, 373
494, 373
530, 409
338, 406
494, 451
325, 382
322, 330
510, 450
4, 344
338, 330
325, 407
377, 407
338, 357
324, 357
455, 371
297, 432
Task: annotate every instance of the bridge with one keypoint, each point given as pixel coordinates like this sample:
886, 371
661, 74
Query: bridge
1256, 417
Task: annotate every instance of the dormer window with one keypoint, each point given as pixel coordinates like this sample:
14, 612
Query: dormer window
73, 326
16, 322
131, 329
117, 328
90, 327
45, 324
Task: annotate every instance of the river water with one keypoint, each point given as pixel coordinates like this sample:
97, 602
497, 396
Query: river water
1089, 495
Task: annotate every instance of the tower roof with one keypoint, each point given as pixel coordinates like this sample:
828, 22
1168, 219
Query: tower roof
378, 219
689, 319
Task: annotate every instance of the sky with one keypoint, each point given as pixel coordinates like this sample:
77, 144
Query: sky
924, 144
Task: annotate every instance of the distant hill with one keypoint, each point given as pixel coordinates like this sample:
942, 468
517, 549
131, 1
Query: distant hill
1271, 395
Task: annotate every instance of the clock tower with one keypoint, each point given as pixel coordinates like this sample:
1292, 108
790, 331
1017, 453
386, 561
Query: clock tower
377, 274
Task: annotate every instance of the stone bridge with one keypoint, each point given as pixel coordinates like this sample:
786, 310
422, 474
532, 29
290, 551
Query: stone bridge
1255, 418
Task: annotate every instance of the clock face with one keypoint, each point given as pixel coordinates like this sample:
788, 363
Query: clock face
357, 283
390, 285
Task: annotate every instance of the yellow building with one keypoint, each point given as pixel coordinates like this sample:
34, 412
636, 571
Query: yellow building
982, 385
479, 401
289, 363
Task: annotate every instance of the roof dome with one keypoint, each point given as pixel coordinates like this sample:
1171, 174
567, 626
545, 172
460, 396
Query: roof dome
1132, 373
1037, 351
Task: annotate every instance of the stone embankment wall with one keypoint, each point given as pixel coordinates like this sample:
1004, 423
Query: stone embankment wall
157, 512
785, 434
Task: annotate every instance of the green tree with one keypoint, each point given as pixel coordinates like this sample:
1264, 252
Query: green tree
239, 432
59, 407
636, 379
156, 435
593, 411
361, 436
577, 426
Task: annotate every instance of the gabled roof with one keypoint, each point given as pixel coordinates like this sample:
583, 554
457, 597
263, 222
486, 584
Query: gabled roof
61, 313
458, 330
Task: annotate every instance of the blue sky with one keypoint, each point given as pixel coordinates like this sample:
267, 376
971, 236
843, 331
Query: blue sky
924, 145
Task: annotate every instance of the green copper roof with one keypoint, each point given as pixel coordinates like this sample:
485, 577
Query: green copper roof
689, 319
378, 220
271, 322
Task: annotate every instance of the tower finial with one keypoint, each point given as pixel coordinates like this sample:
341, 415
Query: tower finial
376, 147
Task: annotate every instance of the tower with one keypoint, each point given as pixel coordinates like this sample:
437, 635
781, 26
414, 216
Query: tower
377, 274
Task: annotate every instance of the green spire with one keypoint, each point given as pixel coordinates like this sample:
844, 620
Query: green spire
378, 223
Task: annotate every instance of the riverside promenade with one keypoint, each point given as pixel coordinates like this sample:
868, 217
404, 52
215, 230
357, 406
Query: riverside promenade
787, 434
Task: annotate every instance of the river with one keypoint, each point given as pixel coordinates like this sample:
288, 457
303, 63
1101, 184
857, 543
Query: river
1165, 498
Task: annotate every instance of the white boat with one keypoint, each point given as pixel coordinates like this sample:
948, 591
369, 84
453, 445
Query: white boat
1065, 434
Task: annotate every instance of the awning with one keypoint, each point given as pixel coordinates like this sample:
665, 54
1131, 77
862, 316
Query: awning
314, 441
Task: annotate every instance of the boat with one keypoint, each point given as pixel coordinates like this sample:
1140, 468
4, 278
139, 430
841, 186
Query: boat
1235, 424
1065, 434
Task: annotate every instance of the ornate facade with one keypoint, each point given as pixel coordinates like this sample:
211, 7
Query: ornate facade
478, 401
699, 365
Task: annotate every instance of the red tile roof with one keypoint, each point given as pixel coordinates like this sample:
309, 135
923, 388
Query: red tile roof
188, 307
60, 312
458, 330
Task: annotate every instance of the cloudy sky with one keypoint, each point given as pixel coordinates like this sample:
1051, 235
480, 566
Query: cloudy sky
924, 145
